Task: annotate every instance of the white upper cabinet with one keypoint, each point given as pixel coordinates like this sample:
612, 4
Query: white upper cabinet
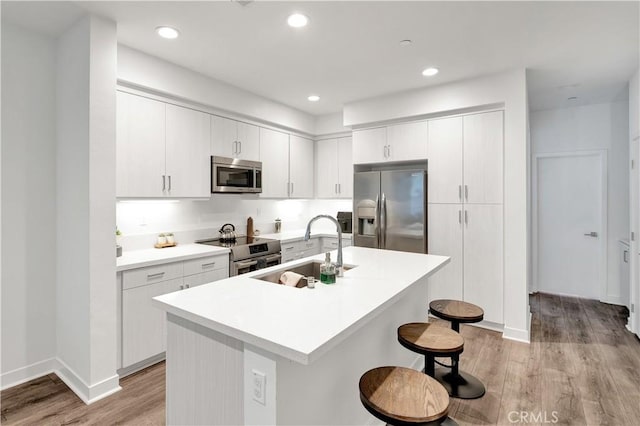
483, 153
187, 150
400, 142
301, 167
234, 139
345, 167
162, 150
334, 168
370, 145
444, 153
407, 141
327, 168
274, 154
140, 146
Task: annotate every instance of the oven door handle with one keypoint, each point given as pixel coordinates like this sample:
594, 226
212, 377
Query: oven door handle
240, 265
274, 257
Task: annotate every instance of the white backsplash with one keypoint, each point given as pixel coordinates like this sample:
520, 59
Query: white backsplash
140, 221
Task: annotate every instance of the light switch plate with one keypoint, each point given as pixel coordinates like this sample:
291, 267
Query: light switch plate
259, 386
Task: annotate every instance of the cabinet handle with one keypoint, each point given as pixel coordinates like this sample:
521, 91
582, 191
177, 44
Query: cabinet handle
235, 147
459, 216
466, 192
169, 182
466, 217
158, 275
239, 147
288, 248
389, 151
164, 183
291, 188
385, 151
625, 256
335, 188
208, 265
339, 188
460, 192
187, 286
181, 287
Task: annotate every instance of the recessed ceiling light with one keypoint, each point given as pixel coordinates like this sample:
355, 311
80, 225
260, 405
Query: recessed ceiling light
297, 20
406, 42
431, 71
167, 32
313, 98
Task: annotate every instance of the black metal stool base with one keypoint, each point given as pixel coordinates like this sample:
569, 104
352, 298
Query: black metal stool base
463, 386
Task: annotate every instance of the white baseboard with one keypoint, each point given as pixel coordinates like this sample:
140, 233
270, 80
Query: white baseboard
30, 372
87, 393
615, 300
517, 334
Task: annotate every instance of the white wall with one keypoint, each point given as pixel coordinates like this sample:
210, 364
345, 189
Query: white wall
510, 90
595, 127
86, 290
149, 72
140, 221
28, 205
634, 106
330, 124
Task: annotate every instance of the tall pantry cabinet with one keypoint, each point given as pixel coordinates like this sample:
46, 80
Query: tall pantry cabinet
465, 209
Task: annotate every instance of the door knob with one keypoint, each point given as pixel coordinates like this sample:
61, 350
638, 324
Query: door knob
592, 234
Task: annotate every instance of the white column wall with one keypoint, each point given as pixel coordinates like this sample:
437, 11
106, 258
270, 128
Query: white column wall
508, 90
86, 290
28, 205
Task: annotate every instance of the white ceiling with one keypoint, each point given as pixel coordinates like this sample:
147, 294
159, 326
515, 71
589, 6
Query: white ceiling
350, 50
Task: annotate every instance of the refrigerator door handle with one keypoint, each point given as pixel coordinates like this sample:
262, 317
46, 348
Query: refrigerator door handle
383, 222
377, 219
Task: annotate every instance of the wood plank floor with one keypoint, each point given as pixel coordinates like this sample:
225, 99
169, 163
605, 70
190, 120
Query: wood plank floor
581, 368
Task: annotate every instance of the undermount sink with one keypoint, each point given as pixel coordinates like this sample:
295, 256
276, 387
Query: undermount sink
308, 269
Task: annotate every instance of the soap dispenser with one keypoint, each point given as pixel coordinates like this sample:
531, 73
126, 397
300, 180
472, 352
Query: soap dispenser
328, 270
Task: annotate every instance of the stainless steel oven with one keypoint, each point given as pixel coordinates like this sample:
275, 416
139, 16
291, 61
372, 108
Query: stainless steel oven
249, 254
230, 175
239, 267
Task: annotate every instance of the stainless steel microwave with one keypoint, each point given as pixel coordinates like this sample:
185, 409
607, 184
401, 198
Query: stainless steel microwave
231, 175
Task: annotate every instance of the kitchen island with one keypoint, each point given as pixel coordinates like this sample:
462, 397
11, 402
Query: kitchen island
246, 351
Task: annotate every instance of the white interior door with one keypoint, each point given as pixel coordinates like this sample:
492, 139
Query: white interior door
571, 223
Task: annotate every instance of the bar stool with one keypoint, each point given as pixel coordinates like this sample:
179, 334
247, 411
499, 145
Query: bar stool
402, 396
431, 341
459, 384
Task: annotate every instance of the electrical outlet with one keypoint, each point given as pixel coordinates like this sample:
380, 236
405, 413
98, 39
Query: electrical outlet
259, 386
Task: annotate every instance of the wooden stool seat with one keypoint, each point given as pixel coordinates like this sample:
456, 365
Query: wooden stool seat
456, 311
402, 396
426, 338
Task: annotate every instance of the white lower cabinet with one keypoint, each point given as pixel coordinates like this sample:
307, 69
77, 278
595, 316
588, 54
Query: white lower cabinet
143, 325
331, 243
143, 332
445, 238
483, 259
472, 235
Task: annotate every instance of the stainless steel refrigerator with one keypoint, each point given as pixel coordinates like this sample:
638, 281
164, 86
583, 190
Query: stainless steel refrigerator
390, 210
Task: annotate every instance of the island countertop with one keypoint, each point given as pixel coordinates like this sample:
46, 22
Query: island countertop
301, 324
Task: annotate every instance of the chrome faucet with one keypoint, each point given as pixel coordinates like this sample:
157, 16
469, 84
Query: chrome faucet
307, 235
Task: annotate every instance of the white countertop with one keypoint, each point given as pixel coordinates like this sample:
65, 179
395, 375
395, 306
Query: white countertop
298, 234
301, 324
140, 258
